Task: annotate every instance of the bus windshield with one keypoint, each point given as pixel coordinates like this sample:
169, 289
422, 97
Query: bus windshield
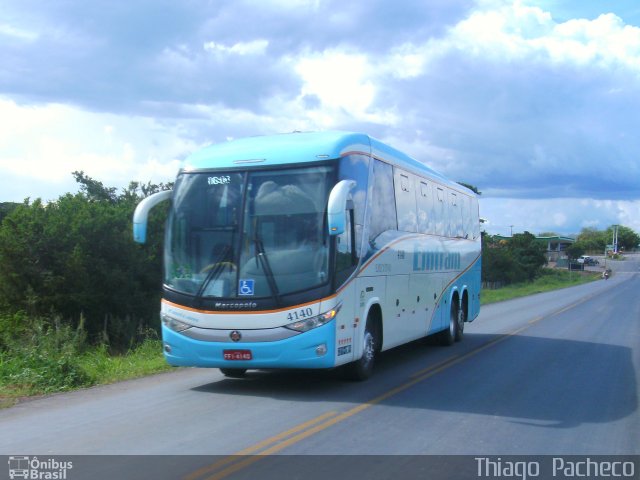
248, 234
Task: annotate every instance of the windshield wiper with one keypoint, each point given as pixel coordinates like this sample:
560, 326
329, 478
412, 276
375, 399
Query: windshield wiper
218, 265
264, 261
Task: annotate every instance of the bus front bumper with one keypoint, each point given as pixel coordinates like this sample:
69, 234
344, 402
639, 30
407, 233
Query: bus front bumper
312, 349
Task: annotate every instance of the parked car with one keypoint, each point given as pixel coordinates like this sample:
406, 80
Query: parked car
588, 260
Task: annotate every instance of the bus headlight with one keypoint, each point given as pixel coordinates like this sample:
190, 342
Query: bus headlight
174, 324
314, 322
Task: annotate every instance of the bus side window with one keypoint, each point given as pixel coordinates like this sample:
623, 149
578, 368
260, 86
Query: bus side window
441, 213
356, 167
405, 201
466, 215
455, 216
382, 211
475, 217
425, 207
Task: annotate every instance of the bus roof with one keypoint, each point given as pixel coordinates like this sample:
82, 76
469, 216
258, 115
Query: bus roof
303, 147
279, 149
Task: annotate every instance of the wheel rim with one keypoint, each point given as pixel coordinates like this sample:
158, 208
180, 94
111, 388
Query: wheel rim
452, 324
369, 349
460, 320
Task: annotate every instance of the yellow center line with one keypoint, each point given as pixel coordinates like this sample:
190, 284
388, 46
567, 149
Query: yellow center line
317, 425
279, 442
307, 432
248, 451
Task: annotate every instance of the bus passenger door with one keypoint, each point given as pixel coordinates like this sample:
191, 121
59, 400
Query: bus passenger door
346, 324
345, 263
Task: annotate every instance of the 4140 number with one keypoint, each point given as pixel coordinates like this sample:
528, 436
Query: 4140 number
300, 314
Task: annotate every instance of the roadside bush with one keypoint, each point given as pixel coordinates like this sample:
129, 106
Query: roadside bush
143, 359
75, 258
44, 358
41, 355
506, 261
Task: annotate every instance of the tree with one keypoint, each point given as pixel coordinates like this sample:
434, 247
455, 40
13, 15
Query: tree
517, 259
6, 208
93, 189
473, 188
592, 240
575, 250
497, 261
529, 254
75, 258
627, 238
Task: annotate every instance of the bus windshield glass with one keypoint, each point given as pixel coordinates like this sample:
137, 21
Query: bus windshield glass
248, 234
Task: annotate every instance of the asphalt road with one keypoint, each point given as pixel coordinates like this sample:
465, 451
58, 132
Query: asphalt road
550, 374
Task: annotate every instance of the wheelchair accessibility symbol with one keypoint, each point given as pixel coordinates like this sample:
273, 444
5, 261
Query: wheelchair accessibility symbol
246, 287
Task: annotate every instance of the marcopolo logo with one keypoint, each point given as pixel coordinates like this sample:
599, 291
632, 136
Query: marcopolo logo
37, 469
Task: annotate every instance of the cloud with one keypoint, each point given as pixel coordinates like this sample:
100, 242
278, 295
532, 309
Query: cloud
532, 108
115, 57
254, 47
13, 33
559, 215
45, 144
524, 106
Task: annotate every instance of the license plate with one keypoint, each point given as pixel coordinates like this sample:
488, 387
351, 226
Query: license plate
237, 355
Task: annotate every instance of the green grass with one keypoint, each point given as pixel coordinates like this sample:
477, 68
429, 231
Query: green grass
550, 279
55, 359
144, 360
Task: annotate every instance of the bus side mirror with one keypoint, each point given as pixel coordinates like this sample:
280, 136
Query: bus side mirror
337, 205
141, 214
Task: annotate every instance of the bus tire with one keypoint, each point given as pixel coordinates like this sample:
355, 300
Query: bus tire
362, 368
448, 336
460, 319
233, 372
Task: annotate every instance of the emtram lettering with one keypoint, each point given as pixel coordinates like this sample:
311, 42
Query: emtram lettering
435, 261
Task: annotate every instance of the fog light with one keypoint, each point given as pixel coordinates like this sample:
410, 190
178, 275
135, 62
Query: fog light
167, 348
321, 350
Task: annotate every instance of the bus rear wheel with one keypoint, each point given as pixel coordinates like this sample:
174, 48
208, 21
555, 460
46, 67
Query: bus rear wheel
461, 317
453, 331
233, 372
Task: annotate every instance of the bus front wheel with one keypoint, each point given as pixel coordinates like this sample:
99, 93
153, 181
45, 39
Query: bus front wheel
363, 368
233, 372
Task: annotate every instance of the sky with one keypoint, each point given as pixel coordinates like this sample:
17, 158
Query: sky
536, 103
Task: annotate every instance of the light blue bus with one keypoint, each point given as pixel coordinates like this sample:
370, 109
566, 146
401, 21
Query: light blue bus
312, 250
